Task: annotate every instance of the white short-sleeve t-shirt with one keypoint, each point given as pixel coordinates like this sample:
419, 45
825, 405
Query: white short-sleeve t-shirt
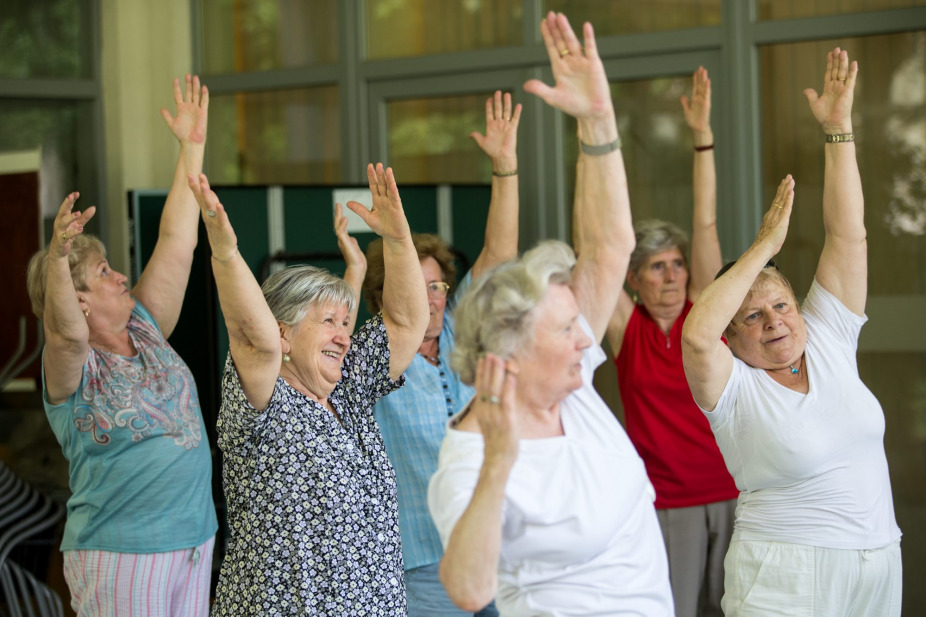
580, 534
811, 467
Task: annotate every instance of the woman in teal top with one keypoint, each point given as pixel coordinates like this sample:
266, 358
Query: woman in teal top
124, 407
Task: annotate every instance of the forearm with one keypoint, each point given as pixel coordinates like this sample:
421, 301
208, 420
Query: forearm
501, 235
405, 301
247, 316
705, 245
64, 322
719, 302
469, 567
843, 201
180, 217
354, 276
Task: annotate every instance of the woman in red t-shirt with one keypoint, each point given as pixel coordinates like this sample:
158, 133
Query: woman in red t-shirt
695, 494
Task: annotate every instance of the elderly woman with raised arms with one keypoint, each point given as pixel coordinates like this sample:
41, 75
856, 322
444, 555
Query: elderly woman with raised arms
311, 495
124, 407
803, 436
695, 495
539, 494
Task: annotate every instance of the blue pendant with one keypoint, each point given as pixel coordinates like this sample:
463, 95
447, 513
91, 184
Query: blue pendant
793, 370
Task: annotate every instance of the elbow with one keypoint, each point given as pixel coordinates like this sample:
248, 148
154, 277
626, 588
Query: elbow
465, 592
695, 341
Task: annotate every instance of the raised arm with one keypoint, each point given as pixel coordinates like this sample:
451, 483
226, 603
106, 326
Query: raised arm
253, 332
162, 284
500, 144
469, 567
705, 245
843, 266
354, 258
708, 361
602, 228
405, 299
67, 335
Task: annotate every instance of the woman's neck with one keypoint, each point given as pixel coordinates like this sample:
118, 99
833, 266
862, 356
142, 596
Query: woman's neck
430, 349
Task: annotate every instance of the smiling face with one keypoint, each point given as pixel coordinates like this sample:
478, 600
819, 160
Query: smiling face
768, 331
436, 302
106, 298
317, 346
549, 368
662, 281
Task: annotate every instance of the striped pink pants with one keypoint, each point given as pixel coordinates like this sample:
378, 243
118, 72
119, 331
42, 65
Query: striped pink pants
105, 584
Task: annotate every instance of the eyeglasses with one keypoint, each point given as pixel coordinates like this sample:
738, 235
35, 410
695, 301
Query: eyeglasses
438, 289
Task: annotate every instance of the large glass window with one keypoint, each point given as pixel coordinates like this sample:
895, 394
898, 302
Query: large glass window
657, 148
790, 9
44, 39
397, 28
429, 139
889, 118
260, 35
609, 17
288, 136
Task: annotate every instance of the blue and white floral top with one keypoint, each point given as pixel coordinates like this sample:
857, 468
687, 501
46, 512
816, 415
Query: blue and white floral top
312, 509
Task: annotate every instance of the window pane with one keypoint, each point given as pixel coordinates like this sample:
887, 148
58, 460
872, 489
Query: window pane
398, 28
889, 119
429, 139
611, 17
44, 39
790, 9
657, 148
57, 128
285, 137
261, 35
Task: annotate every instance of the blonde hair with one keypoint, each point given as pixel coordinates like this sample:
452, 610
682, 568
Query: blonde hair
496, 314
83, 247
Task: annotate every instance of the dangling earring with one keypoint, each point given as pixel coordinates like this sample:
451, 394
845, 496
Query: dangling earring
286, 357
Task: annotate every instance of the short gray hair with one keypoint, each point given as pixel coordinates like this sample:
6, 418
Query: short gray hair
653, 237
291, 291
495, 315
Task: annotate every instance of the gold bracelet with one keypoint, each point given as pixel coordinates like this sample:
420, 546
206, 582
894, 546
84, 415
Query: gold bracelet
225, 261
504, 174
839, 138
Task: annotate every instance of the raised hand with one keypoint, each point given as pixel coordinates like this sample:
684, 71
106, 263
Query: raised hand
68, 225
347, 244
500, 141
697, 109
495, 409
582, 88
386, 218
222, 238
833, 108
189, 125
774, 228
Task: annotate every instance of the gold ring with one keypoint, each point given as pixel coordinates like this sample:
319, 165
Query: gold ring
564, 53
64, 236
843, 79
779, 206
483, 398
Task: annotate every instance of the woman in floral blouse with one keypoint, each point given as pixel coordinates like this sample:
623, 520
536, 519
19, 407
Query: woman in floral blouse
311, 495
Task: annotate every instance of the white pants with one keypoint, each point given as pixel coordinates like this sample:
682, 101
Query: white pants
796, 580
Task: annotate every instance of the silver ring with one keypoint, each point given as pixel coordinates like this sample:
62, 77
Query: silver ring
494, 400
210, 213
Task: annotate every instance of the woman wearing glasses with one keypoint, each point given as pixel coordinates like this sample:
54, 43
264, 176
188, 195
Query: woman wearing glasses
413, 419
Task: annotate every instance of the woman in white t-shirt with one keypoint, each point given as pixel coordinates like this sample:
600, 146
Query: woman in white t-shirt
539, 494
803, 437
